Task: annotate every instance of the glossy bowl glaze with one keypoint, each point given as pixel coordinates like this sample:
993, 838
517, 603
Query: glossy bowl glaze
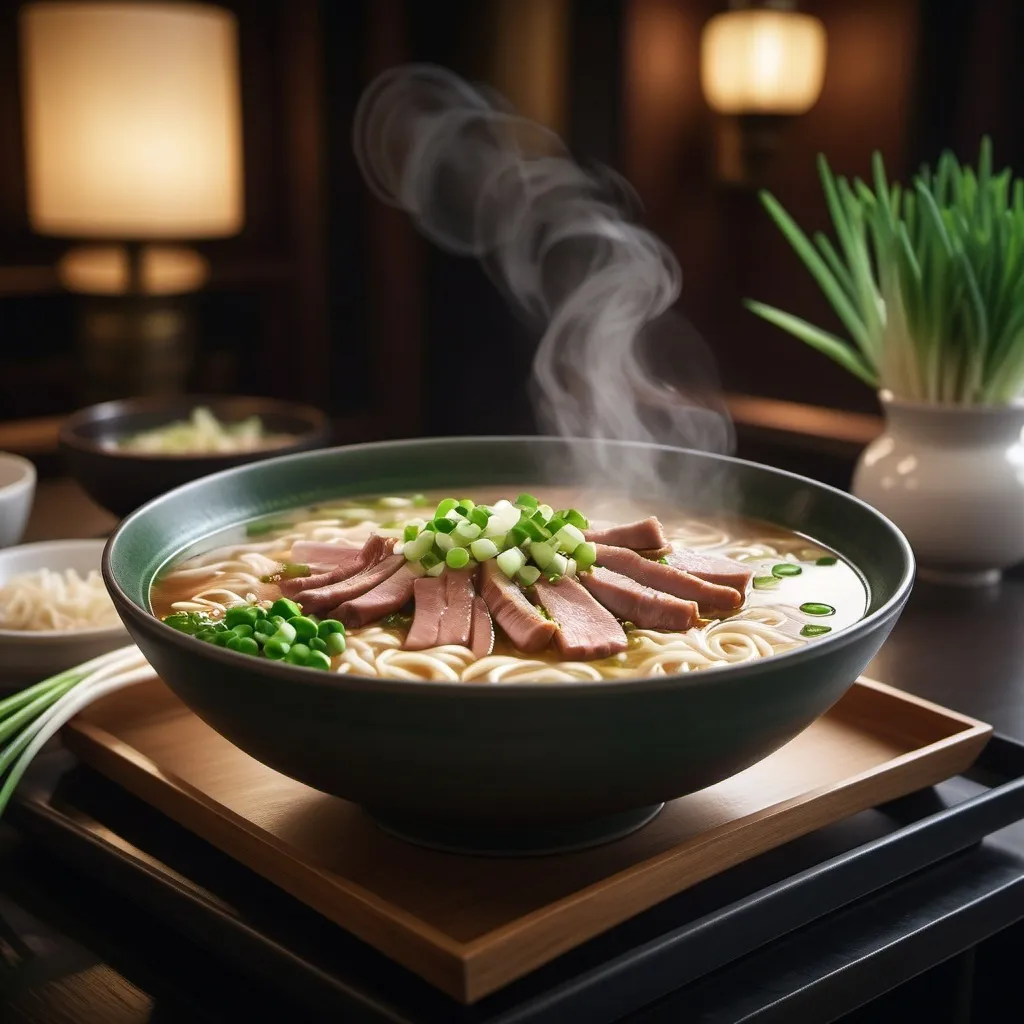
504, 767
121, 481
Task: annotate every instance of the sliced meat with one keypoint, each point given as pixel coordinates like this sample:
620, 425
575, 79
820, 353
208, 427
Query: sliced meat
315, 602
656, 553
308, 552
481, 634
643, 606
524, 625
375, 550
428, 594
642, 535
585, 628
714, 568
382, 600
667, 578
458, 610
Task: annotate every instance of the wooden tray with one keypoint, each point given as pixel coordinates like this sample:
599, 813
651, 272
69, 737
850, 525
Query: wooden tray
471, 925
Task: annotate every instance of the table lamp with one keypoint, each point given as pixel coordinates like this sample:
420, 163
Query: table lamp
132, 137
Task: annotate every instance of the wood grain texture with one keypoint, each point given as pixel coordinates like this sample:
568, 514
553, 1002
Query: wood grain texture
472, 925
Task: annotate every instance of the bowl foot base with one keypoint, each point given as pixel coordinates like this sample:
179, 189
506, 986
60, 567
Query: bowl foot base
515, 841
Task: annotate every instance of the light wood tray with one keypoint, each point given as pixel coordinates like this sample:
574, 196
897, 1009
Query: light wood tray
472, 925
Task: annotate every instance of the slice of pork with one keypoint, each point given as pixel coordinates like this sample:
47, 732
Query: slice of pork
643, 606
585, 628
376, 549
668, 579
458, 611
643, 535
524, 625
481, 636
306, 552
391, 595
428, 593
315, 602
714, 568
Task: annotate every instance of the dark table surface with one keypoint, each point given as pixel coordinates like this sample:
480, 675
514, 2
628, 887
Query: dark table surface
110, 964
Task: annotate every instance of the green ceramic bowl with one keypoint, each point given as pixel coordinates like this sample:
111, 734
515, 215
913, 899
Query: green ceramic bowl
490, 767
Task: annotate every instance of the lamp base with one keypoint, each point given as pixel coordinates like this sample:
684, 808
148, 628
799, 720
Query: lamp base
134, 345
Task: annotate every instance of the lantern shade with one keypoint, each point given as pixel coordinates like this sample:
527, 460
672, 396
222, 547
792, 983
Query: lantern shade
132, 120
760, 61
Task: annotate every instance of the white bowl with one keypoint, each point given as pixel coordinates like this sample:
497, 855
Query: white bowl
33, 655
17, 489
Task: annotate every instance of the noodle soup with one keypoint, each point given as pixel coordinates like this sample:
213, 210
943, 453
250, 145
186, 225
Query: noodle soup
714, 593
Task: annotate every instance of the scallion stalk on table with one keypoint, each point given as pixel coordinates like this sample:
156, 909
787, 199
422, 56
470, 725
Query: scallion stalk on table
928, 280
31, 717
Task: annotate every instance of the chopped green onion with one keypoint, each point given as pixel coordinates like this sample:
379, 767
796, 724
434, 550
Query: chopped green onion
287, 632
542, 553
528, 575
576, 518
534, 530
444, 507
569, 537
436, 570
410, 533
397, 620
527, 501
816, 608
317, 659
814, 629
240, 615
444, 542
511, 561
394, 503
419, 500
827, 560
466, 532
443, 525
545, 512
457, 558
516, 536
243, 644
243, 629
430, 559
786, 569
556, 522
298, 654
417, 548
329, 626
585, 555
479, 516
316, 644
304, 626
557, 566
335, 644
483, 549
570, 567
285, 608
276, 649
766, 582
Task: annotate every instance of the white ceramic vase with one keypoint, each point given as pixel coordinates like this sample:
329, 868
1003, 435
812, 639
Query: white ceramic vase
952, 479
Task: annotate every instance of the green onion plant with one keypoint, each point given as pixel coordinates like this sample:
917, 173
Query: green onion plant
928, 280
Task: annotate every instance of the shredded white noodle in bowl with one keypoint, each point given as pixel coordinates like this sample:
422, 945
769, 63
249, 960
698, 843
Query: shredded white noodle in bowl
54, 608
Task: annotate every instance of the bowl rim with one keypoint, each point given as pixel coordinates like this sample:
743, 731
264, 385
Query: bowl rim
316, 419
716, 675
28, 477
27, 636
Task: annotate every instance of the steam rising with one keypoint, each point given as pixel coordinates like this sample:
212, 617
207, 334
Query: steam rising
614, 362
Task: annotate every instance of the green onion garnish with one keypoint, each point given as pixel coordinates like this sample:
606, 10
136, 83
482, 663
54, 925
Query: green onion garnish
410, 533
814, 629
417, 548
466, 532
827, 560
765, 582
527, 501
442, 525
534, 530
430, 559
511, 561
483, 549
516, 536
419, 500
585, 555
444, 507
816, 608
542, 553
528, 575
457, 558
479, 516
576, 518
786, 569
556, 522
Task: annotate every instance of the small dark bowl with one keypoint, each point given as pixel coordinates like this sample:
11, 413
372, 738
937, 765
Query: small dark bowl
121, 481
515, 767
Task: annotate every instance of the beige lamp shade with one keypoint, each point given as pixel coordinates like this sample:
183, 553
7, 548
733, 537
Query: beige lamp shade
132, 120
760, 61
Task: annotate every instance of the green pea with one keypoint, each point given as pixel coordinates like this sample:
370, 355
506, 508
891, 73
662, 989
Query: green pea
765, 582
317, 659
815, 608
244, 629
276, 649
286, 632
786, 569
813, 629
827, 560
264, 627
335, 643
298, 655
276, 620
240, 615
260, 638
304, 626
328, 626
316, 644
285, 608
